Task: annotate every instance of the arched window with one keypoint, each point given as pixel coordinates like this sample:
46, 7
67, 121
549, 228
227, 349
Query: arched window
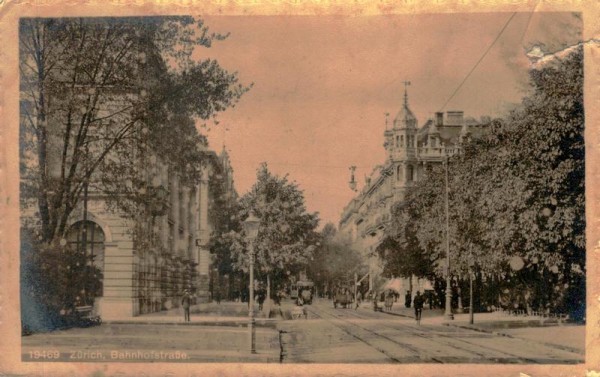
88, 236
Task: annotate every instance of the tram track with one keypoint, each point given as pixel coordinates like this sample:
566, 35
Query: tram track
419, 354
412, 331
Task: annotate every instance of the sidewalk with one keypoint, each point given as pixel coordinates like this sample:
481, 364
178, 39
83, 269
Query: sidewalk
223, 314
566, 336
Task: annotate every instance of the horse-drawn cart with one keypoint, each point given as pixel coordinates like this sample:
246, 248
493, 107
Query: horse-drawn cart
342, 298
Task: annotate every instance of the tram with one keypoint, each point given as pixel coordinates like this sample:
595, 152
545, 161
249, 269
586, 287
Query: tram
302, 290
343, 297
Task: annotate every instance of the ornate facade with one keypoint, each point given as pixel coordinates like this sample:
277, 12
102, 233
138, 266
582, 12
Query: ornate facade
411, 150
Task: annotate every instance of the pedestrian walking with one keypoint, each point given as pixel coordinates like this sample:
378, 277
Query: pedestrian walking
358, 299
375, 306
407, 299
261, 299
389, 301
418, 304
186, 301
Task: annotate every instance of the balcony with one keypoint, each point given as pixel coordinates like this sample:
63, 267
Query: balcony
437, 153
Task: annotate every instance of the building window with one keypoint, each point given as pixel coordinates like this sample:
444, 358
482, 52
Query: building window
181, 208
399, 173
397, 141
87, 236
171, 243
409, 173
401, 140
433, 142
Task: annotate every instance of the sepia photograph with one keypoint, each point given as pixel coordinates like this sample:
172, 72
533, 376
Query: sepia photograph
302, 189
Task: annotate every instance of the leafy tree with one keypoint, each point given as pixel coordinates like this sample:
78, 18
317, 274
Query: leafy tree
50, 291
399, 250
95, 89
287, 234
224, 211
527, 180
335, 260
101, 98
516, 200
546, 146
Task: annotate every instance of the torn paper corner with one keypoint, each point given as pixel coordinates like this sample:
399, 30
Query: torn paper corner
539, 58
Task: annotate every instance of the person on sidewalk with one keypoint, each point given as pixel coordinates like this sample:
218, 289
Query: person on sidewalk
389, 300
407, 299
375, 307
418, 304
261, 299
186, 300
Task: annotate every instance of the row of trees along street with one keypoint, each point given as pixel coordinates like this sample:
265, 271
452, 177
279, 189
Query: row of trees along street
98, 95
335, 261
517, 205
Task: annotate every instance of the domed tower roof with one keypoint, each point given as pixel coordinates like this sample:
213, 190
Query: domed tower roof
405, 117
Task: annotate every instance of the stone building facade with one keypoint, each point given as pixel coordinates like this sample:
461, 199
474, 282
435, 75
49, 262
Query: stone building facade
148, 272
411, 151
146, 262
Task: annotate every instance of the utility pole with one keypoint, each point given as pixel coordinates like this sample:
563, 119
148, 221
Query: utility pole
448, 314
355, 286
471, 273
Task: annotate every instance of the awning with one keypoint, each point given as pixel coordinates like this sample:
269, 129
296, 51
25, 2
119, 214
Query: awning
394, 284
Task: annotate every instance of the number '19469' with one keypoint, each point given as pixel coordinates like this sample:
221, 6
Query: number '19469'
45, 354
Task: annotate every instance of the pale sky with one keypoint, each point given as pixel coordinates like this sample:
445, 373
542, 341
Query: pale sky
323, 84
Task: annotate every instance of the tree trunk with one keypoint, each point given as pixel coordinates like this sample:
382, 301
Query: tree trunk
230, 287
268, 295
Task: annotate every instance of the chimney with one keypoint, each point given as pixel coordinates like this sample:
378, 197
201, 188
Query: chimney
439, 119
455, 118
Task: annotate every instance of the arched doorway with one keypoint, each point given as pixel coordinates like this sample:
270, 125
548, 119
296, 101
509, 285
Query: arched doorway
88, 237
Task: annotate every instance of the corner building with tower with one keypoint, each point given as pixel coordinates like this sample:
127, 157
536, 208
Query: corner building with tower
411, 152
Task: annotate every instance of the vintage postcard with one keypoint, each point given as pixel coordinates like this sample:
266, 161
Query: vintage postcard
299, 188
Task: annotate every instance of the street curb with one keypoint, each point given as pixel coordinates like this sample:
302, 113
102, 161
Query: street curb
398, 314
240, 323
497, 333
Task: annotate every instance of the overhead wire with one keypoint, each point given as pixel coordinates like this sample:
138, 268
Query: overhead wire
479, 61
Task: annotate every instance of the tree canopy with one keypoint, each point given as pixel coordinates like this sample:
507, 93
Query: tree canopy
287, 234
101, 100
335, 260
98, 92
516, 199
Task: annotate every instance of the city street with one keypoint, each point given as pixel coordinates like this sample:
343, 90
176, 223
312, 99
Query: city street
365, 336
328, 335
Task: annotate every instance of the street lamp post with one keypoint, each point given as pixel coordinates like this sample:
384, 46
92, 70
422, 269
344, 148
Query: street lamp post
471, 272
251, 225
448, 314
